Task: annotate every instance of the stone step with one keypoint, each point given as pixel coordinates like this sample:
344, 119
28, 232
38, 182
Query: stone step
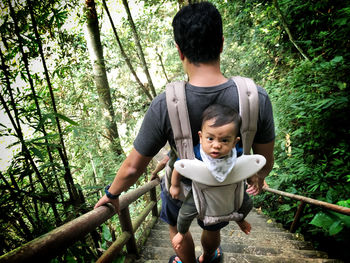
235, 235
232, 226
267, 242
241, 249
255, 259
252, 218
163, 255
292, 244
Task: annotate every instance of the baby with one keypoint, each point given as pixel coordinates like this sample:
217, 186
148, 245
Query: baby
217, 149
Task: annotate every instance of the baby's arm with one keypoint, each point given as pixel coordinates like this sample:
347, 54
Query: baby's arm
175, 187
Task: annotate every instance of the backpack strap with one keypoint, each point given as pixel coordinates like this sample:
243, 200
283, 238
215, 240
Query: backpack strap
179, 119
248, 109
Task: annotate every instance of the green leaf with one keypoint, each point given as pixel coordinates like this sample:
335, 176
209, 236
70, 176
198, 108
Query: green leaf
37, 153
345, 219
322, 220
70, 259
65, 118
284, 208
337, 59
106, 233
345, 203
335, 228
42, 121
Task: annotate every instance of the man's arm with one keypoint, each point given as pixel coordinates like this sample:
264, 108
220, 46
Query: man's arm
256, 182
132, 168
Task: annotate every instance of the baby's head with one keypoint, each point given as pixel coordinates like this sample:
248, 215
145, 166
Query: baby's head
220, 127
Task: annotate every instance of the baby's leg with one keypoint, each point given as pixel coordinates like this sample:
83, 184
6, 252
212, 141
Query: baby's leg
245, 209
244, 226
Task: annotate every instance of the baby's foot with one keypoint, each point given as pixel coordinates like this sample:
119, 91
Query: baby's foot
244, 226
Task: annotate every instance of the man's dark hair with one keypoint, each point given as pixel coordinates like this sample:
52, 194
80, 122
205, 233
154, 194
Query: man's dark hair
198, 32
222, 115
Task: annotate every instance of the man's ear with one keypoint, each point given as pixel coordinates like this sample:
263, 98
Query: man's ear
182, 57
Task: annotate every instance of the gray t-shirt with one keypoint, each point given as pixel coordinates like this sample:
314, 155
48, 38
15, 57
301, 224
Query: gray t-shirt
156, 129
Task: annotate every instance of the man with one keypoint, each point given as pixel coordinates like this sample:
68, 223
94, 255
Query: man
199, 40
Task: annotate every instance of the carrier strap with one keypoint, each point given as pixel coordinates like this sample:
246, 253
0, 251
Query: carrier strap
248, 109
179, 119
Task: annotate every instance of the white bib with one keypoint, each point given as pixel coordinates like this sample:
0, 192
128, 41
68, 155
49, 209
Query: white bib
220, 167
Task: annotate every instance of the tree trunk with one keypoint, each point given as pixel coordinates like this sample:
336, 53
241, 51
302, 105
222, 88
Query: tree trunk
16, 198
162, 65
38, 110
96, 55
289, 33
17, 127
127, 60
139, 47
73, 193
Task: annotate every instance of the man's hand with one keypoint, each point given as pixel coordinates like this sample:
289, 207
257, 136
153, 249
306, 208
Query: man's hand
154, 176
257, 181
255, 184
104, 200
132, 167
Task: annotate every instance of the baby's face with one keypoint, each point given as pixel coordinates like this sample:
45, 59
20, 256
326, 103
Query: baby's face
218, 142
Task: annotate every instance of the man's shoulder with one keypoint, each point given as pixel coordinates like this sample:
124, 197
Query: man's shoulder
262, 91
160, 98
158, 103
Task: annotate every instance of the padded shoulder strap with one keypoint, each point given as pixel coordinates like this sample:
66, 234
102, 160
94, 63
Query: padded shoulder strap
248, 109
180, 122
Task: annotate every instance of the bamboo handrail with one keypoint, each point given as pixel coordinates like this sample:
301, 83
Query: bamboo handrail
336, 208
56, 241
303, 200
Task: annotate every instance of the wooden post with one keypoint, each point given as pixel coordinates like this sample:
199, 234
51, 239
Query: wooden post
153, 195
297, 216
126, 224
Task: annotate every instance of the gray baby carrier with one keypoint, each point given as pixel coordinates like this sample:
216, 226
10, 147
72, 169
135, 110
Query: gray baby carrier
215, 201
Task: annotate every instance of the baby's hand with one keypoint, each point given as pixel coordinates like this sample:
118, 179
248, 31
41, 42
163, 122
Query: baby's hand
177, 240
175, 191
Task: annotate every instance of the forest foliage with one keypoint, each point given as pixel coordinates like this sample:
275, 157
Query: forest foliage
52, 121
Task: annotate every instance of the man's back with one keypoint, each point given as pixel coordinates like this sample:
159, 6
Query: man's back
156, 129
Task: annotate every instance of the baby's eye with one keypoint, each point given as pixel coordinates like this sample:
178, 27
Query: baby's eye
225, 140
209, 139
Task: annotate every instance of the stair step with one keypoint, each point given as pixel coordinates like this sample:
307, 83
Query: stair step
163, 255
267, 242
253, 218
233, 226
242, 249
255, 259
293, 244
234, 235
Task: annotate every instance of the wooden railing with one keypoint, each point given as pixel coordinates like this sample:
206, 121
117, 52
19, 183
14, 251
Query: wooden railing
306, 200
54, 243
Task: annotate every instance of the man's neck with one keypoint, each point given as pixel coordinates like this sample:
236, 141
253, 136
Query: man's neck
204, 75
